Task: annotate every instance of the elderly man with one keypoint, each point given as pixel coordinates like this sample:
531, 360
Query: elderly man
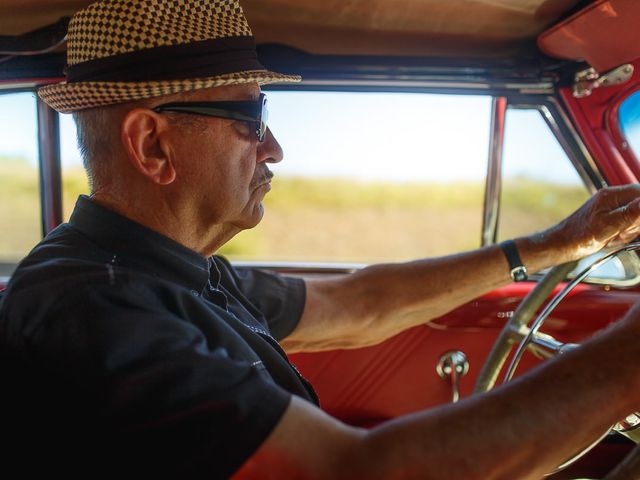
144, 352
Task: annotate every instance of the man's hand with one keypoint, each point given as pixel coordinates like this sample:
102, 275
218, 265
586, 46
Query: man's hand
610, 217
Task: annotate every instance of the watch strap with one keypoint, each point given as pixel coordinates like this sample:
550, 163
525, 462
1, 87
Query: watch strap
517, 270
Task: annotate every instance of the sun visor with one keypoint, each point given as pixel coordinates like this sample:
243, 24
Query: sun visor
605, 34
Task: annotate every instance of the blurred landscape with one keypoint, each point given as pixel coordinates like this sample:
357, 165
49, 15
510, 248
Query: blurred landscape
328, 220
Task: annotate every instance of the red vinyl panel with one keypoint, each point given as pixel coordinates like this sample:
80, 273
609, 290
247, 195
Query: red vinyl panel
369, 385
605, 34
596, 120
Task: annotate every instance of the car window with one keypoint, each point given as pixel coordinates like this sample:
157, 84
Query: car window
366, 177
19, 192
74, 178
540, 186
629, 116
372, 177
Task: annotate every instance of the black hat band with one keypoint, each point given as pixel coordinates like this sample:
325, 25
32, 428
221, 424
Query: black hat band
201, 59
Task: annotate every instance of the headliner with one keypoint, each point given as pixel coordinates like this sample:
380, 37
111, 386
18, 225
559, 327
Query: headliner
360, 27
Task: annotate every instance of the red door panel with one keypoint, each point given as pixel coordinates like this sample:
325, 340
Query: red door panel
368, 385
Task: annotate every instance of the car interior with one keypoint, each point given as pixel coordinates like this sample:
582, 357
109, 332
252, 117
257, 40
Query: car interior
421, 128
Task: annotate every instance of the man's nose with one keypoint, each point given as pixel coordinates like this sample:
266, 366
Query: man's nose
269, 150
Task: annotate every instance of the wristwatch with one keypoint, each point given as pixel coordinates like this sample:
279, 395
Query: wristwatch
518, 271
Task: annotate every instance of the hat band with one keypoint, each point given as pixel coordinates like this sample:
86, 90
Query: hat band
171, 62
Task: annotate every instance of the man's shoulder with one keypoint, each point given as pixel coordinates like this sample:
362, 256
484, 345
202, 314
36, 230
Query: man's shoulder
66, 263
61, 256
64, 280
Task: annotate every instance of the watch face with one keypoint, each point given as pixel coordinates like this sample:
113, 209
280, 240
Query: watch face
519, 274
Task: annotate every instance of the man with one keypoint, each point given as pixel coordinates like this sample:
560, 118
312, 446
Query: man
148, 355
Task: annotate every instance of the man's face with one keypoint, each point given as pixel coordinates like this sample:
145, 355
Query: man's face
221, 163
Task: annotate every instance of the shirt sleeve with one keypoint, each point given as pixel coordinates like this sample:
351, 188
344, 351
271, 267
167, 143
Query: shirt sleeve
132, 384
279, 298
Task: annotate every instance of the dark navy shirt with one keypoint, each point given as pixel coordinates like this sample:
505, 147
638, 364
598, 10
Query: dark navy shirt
123, 347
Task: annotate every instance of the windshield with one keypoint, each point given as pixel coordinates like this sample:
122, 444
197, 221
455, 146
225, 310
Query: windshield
630, 121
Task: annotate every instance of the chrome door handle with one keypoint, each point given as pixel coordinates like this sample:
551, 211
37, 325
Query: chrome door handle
452, 366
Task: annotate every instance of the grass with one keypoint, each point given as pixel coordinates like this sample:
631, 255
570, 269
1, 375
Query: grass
328, 219
336, 220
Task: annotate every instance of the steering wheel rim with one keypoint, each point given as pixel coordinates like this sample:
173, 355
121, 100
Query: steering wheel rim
524, 312
517, 326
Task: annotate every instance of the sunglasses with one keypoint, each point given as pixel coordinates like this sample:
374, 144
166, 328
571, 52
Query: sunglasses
252, 111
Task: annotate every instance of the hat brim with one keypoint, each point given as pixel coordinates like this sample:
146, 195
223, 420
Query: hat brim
71, 97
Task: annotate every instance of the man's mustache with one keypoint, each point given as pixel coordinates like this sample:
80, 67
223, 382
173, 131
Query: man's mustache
263, 175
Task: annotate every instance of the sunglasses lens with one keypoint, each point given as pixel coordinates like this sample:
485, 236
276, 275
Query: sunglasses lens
264, 117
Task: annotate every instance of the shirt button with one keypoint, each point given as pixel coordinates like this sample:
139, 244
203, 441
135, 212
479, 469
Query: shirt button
194, 293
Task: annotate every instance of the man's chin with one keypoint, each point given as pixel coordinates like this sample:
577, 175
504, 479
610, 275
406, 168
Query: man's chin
252, 218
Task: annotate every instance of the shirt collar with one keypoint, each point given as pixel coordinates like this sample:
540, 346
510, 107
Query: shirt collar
136, 246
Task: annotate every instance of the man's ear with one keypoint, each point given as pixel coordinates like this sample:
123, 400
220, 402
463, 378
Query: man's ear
147, 147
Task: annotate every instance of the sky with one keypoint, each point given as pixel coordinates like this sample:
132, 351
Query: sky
630, 120
370, 136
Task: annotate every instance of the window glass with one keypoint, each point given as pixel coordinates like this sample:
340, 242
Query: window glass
540, 186
372, 177
19, 192
630, 121
74, 178
366, 177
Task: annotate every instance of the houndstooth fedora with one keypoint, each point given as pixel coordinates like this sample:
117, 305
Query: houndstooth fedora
123, 50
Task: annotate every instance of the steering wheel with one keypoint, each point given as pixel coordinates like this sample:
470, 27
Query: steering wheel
517, 330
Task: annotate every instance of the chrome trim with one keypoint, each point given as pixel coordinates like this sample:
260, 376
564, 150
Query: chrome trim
384, 81
588, 80
630, 422
493, 187
580, 454
542, 345
451, 366
580, 163
302, 268
49, 159
18, 87
566, 135
547, 347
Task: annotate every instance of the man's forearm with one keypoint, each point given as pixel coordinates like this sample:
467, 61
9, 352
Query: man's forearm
380, 301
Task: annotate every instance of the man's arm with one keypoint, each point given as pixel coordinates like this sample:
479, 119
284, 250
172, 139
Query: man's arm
518, 431
380, 301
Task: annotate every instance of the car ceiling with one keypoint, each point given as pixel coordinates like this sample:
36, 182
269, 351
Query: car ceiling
360, 27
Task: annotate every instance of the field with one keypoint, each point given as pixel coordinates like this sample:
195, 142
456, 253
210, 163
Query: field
333, 220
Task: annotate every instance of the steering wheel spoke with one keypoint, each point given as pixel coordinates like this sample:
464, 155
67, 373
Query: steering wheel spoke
542, 345
545, 346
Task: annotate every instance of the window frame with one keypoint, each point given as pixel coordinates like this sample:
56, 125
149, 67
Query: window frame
49, 159
562, 130
558, 122
8, 89
532, 91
